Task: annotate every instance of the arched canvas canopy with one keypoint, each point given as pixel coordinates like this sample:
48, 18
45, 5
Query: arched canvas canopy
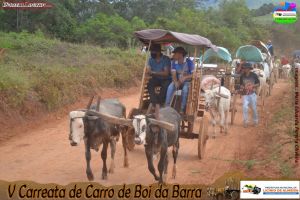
259, 44
160, 36
249, 53
221, 52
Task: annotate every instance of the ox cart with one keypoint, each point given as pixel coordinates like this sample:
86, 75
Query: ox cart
222, 71
269, 60
195, 103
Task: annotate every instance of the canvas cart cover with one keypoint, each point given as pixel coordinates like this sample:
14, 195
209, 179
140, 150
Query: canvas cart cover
259, 44
160, 36
249, 53
222, 53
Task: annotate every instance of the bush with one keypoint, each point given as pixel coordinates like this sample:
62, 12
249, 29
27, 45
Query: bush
59, 72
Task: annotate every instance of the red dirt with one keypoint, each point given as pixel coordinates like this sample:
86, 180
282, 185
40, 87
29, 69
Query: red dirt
42, 152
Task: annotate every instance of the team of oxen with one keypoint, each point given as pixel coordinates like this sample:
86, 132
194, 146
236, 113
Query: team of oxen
103, 123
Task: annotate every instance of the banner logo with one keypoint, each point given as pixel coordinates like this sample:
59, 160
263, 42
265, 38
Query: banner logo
25, 5
269, 190
285, 13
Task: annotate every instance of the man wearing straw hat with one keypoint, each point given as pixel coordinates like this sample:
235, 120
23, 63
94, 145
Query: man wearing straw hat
249, 83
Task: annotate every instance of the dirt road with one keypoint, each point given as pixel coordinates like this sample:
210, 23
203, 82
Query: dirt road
44, 154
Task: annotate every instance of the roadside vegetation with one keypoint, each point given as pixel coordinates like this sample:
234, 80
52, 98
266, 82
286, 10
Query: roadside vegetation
55, 73
54, 56
274, 155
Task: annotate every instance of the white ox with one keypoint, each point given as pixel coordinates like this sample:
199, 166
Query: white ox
286, 69
76, 127
217, 102
262, 80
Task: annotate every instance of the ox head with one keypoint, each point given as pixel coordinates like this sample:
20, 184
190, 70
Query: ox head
139, 123
144, 124
76, 127
211, 96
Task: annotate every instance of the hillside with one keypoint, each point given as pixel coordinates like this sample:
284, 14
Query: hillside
39, 74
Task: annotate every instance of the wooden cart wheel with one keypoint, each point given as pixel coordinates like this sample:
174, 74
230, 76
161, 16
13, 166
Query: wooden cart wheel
233, 108
202, 137
130, 132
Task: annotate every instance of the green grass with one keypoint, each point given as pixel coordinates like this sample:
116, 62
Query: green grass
58, 73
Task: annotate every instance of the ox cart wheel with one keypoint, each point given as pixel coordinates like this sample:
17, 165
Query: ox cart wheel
233, 108
130, 132
202, 137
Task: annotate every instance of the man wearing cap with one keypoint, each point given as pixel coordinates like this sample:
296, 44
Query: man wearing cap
249, 83
182, 69
159, 69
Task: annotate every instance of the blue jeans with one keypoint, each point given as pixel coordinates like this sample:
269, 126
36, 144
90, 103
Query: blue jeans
184, 94
250, 99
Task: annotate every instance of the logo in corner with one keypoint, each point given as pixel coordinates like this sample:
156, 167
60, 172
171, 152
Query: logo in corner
285, 13
251, 188
25, 5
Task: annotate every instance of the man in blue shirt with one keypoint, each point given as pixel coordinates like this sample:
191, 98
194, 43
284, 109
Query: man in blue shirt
182, 69
159, 69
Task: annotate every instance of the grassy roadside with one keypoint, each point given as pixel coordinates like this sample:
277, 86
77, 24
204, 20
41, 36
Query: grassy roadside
48, 74
273, 154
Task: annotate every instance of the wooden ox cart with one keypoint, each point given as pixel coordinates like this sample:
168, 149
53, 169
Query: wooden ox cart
269, 60
195, 104
223, 71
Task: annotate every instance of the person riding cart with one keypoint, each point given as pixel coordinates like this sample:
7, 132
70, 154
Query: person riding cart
182, 70
159, 70
249, 83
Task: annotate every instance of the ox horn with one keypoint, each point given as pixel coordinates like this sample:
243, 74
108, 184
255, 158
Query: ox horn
111, 119
165, 125
90, 103
222, 95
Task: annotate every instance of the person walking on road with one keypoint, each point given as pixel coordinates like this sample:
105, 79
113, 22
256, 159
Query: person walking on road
249, 84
